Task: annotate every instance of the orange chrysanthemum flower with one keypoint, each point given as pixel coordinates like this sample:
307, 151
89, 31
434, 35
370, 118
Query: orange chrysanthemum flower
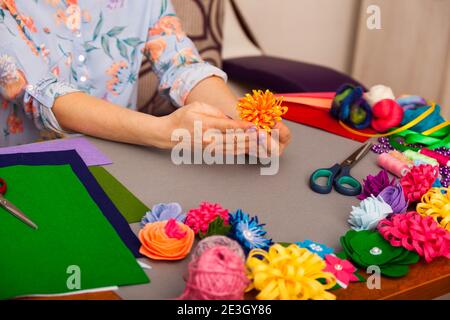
263, 109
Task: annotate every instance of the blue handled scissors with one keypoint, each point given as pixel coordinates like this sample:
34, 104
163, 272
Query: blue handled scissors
339, 176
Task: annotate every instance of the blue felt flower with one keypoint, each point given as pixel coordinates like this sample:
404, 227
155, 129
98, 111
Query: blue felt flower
317, 248
164, 212
248, 232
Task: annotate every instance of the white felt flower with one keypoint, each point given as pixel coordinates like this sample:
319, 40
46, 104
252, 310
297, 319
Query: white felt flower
369, 213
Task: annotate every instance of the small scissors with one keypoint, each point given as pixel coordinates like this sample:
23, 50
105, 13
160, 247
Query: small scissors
11, 208
339, 175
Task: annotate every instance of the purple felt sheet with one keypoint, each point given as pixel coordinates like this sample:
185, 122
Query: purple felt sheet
87, 151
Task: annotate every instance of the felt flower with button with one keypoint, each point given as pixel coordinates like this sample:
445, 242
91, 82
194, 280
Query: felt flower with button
248, 232
320, 249
395, 198
343, 270
417, 233
163, 212
369, 248
369, 213
373, 185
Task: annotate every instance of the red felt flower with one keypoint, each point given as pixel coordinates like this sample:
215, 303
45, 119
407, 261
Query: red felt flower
418, 181
416, 233
199, 219
343, 270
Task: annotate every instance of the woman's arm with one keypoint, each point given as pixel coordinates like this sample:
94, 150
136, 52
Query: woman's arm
82, 113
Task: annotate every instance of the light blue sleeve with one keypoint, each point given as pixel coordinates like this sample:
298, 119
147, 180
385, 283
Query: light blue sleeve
173, 55
26, 77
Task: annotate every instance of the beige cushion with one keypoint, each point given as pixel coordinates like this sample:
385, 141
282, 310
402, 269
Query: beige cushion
202, 20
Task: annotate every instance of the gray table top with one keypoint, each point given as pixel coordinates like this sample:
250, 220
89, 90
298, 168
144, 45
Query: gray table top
284, 201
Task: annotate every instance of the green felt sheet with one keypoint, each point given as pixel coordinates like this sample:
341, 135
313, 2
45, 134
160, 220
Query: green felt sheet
129, 206
72, 232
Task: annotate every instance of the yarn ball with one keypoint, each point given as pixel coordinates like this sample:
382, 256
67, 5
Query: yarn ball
395, 198
369, 213
436, 204
291, 273
217, 274
429, 122
417, 233
215, 241
166, 240
387, 114
373, 185
163, 212
350, 107
418, 181
199, 219
378, 93
248, 232
263, 109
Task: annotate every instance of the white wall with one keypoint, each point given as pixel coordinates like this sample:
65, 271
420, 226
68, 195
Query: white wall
316, 31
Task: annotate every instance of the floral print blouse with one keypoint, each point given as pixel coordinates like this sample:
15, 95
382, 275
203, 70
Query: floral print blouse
49, 48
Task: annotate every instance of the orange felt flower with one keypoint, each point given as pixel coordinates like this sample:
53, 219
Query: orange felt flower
262, 109
160, 242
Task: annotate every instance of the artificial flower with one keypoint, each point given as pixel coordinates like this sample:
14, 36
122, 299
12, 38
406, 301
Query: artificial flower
436, 204
248, 232
200, 218
418, 181
291, 273
163, 212
369, 213
166, 240
263, 109
395, 198
416, 233
343, 270
320, 249
373, 185
369, 248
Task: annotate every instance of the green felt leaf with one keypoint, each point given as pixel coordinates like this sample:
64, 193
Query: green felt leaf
395, 270
73, 232
363, 242
407, 257
127, 203
360, 277
216, 227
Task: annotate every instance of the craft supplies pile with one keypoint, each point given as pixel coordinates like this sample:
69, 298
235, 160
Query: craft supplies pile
398, 221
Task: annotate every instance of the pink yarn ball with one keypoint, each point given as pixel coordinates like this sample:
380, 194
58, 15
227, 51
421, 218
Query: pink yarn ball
218, 274
387, 114
214, 241
199, 219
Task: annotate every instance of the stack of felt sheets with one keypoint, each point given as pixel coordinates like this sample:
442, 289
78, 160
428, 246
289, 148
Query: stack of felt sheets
84, 241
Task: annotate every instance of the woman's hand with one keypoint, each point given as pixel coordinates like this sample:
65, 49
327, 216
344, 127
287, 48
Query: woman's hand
209, 117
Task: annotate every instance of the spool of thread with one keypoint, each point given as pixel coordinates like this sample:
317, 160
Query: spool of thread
414, 156
393, 165
400, 156
441, 159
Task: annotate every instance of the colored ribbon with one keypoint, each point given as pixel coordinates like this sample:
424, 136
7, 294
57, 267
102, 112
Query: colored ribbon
291, 273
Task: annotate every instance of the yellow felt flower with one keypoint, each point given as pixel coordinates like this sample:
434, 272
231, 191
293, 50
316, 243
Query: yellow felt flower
291, 273
262, 109
436, 205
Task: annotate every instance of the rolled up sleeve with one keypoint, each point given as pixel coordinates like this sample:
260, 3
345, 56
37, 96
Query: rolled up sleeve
174, 56
26, 78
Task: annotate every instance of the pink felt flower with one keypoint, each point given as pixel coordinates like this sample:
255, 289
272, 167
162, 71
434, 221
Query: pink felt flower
417, 233
199, 219
418, 181
343, 270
